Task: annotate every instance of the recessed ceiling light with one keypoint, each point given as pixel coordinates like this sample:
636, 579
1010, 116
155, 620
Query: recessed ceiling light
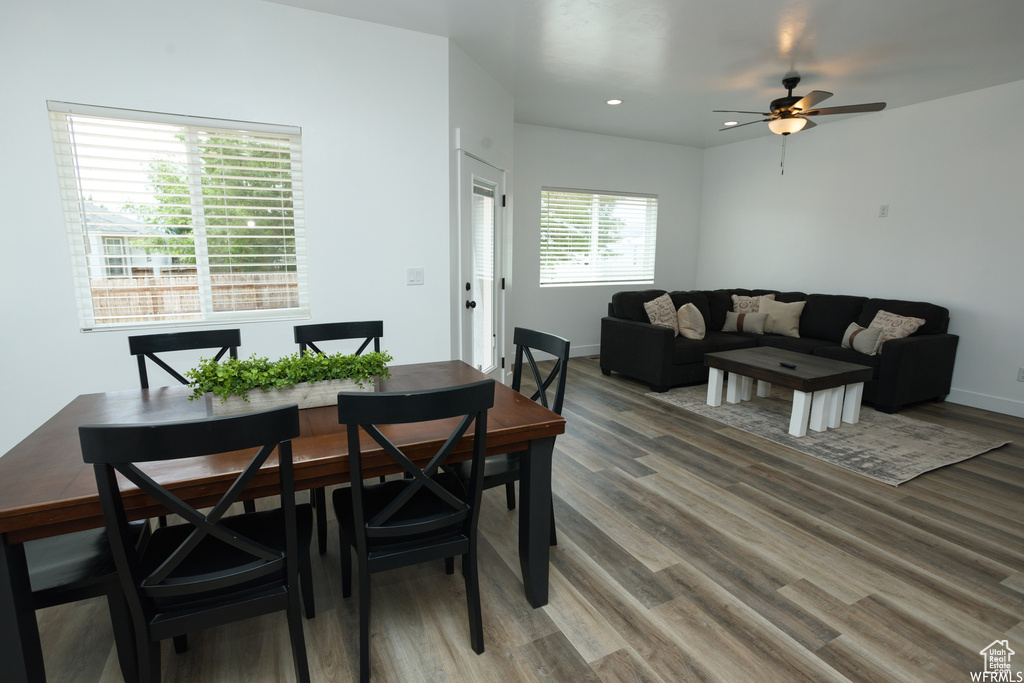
614, 101
731, 123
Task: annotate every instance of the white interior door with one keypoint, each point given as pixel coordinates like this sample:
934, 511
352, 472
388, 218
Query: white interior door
481, 192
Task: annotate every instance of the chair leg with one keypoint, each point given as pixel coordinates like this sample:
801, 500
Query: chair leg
162, 520
149, 660
346, 568
297, 638
124, 634
510, 495
319, 498
249, 505
364, 622
449, 565
180, 644
306, 585
476, 622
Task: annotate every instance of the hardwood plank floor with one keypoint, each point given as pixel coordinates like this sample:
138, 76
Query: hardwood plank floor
687, 551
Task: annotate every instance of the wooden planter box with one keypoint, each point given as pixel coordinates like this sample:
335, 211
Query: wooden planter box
305, 394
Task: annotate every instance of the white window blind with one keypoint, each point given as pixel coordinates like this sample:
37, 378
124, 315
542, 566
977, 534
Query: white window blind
177, 219
590, 238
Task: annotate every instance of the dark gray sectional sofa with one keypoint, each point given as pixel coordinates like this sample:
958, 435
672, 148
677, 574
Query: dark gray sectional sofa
908, 370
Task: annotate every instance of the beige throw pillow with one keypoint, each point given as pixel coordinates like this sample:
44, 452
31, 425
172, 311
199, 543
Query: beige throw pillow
749, 304
894, 326
691, 322
863, 339
783, 318
662, 312
744, 322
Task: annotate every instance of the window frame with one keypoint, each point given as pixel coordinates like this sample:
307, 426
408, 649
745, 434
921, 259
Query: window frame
598, 270
82, 239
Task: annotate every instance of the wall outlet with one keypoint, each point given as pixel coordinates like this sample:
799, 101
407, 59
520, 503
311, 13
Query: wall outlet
883, 211
1020, 374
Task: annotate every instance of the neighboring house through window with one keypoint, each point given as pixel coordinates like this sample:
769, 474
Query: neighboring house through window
596, 238
178, 219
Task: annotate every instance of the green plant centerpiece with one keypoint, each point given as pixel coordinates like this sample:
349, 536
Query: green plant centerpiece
308, 378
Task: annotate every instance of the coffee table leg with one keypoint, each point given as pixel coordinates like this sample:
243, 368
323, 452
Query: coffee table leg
734, 391
851, 404
835, 406
819, 410
764, 389
801, 413
715, 377
745, 385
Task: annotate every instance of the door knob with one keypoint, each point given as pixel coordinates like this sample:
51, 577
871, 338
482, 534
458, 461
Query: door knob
470, 304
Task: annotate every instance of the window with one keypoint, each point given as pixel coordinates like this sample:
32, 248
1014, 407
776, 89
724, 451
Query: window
591, 238
177, 219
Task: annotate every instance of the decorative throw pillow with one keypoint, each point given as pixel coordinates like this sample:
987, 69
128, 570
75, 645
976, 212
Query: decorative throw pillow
749, 304
894, 326
662, 312
783, 318
744, 322
863, 339
691, 322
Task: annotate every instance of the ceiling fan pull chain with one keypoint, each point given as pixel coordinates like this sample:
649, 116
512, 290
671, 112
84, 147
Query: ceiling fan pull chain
783, 162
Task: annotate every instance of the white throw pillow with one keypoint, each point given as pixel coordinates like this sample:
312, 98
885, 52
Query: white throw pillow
749, 304
894, 326
783, 318
744, 322
691, 322
662, 312
863, 339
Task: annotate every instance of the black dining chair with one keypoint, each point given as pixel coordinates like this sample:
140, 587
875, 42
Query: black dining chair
428, 516
306, 336
148, 345
212, 569
79, 566
504, 468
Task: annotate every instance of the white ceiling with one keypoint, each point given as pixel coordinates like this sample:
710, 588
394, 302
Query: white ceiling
674, 61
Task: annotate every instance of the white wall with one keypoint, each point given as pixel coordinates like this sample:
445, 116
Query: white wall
954, 184
373, 106
554, 157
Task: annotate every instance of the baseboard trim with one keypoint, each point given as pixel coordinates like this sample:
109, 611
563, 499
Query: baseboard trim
996, 404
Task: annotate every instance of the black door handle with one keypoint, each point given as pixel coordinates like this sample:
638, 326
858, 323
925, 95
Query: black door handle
470, 304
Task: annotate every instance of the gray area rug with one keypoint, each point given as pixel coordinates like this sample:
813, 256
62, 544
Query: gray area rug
888, 448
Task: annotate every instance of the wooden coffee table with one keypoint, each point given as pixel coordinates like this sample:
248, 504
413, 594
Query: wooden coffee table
826, 392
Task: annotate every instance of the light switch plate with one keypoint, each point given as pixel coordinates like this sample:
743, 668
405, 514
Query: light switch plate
414, 276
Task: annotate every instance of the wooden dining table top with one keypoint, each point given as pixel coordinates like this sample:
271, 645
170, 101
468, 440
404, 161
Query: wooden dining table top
46, 489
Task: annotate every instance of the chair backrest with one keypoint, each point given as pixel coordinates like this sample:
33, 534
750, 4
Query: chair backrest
148, 345
424, 506
528, 341
306, 336
203, 554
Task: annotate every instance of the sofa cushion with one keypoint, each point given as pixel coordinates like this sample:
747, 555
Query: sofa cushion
783, 318
936, 318
790, 297
691, 351
691, 322
826, 316
850, 356
630, 305
796, 344
697, 298
662, 313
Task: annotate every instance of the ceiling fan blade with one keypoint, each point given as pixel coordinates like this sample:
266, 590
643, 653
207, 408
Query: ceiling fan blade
734, 111
809, 100
849, 109
810, 124
746, 124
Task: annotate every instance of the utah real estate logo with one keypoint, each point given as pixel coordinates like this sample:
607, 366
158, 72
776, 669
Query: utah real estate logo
997, 656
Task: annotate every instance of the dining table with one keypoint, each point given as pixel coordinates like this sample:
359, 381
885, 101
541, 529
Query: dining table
47, 490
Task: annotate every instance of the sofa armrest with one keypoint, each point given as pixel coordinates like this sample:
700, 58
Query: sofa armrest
636, 349
915, 369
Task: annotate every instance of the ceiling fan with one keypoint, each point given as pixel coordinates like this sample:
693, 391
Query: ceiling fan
789, 114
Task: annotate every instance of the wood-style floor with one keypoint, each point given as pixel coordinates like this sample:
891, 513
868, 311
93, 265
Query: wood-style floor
687, 551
